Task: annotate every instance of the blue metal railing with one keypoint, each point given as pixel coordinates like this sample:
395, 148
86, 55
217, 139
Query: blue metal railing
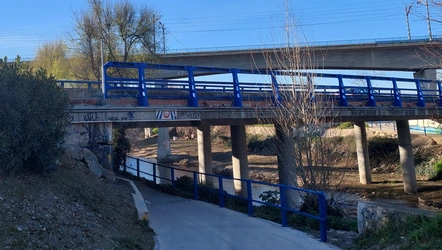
283, 207
241, 85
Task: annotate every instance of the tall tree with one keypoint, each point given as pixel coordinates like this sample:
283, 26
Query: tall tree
128, 33
53, 56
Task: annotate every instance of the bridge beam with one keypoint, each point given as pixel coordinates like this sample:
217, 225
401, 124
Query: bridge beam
406, 156
362, 153
239, 158
285, 152
204, 153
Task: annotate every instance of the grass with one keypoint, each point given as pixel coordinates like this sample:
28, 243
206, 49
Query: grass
415, 232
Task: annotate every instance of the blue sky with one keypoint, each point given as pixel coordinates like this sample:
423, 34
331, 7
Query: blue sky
208, 23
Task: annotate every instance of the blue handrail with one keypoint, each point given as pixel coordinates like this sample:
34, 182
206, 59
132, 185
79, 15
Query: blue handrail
284, 208
242, 85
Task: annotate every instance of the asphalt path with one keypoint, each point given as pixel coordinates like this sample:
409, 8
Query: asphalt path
188, 224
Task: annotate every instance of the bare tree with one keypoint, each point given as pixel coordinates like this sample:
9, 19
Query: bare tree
126, 32
302, 112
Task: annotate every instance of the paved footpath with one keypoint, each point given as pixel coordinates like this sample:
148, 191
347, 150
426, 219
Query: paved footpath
194, 225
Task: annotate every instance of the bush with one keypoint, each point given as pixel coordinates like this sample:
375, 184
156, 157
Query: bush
155, 131
345, 125
33, 118
121, 145
383, 152
438, 169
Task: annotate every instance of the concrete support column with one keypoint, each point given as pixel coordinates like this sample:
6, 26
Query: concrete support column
362, 153
163, 144
239, 158
428, 74
204, 153
285, 152
406, 155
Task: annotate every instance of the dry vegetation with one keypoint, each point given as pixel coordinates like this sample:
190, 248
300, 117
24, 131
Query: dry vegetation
69, 209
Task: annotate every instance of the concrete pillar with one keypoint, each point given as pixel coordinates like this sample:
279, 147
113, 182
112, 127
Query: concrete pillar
204, 153
406, 155
285, 152
362, 153
428, 74
239, 158
163, 144
147, 132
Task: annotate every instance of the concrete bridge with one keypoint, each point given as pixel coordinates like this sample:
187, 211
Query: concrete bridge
146, 102
417, 55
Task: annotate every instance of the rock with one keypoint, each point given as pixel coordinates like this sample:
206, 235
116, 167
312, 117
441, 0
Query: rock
109, 175
74, 151
92, 162
225, 171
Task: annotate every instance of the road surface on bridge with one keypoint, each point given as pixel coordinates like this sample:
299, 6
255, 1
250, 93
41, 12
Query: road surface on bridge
188, 224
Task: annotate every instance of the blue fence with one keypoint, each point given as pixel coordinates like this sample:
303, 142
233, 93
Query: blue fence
283, 189
240, 85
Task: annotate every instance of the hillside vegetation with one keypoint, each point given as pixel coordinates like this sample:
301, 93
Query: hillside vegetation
69, 209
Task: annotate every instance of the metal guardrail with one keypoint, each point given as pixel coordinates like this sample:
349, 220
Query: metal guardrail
284, 208
340, 88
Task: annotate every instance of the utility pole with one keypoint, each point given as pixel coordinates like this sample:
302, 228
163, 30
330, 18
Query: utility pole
102, 68
164, 38
407, 12
154, 34
425, 2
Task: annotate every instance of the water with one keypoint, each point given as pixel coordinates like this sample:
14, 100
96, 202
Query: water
164, 175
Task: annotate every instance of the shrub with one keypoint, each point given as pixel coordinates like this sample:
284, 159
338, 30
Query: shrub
33, 118
155, 131
121, 145
345, 125
383, 152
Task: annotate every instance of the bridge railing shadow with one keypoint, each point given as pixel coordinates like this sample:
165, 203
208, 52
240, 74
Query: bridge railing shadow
162, 174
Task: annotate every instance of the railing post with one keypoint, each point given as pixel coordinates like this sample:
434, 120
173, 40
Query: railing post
237, 100
125, 162
371, 101
138, 168
283, 199
343, 102
275, 90
249, 198
193, 98
420, 96
195, 185
142, 91
154, 173
221, 191
397, 96
172, 176
440, 92
323, 215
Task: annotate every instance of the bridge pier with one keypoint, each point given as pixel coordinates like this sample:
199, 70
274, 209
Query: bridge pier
163, 144
285, 152
362, 153
406, 156
239, 158
204, 153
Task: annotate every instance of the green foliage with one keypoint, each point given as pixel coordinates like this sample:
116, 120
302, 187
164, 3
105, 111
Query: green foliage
33, 118
155, 131
271, 197
438, 169
53, 56
383, 150
345, 125
122, 147
415, 232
